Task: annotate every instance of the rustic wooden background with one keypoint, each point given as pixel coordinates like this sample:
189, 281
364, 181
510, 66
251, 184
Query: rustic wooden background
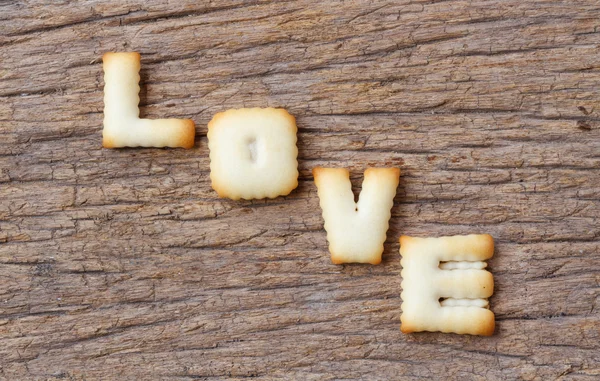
121, 264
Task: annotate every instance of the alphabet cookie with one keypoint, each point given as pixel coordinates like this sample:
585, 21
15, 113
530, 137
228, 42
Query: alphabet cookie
445, 287
356, 231
122, 125
253, 153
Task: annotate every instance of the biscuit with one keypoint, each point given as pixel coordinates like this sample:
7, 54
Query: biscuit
356, 231
122, 124
253, 153
444, 284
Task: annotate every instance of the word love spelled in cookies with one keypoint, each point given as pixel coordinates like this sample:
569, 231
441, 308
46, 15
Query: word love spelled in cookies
356, 231
445, 287
253, 155
122, 125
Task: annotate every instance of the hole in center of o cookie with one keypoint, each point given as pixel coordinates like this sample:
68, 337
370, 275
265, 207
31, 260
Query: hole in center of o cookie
252, 145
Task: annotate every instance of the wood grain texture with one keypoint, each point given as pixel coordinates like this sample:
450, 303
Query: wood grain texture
122, 264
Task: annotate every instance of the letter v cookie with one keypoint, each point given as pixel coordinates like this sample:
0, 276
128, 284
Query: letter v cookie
356, 231
444, 284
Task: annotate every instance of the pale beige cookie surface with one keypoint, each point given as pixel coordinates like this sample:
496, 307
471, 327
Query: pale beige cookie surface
122, 125
253, 153
444, 284
356, 231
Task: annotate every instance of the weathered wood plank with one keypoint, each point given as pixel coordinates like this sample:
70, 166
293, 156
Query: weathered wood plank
124, 263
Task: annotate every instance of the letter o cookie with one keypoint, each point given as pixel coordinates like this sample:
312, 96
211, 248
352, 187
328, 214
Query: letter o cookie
253, 153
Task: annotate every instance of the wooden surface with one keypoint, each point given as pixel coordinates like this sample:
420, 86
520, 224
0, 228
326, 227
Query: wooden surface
122, 264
